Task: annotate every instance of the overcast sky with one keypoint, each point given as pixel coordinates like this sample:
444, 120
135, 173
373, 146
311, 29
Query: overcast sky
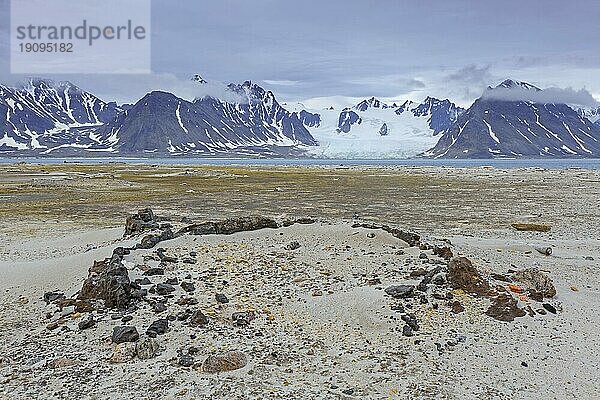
358, 48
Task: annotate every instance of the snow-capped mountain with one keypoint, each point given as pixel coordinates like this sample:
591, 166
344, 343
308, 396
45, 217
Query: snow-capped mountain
375, 129
58, 118
500, 125
163, 123
34, 115
43, 117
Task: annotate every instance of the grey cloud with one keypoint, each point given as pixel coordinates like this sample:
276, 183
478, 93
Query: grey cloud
580, 97
470, 81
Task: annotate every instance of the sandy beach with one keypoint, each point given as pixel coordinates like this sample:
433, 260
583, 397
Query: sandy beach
305, 306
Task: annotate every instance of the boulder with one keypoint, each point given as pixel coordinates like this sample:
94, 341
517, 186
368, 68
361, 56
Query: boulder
146, 348
463, 275
108, 281
142, 221
122, 334
400, 291
535, 280
223, 362
123, 352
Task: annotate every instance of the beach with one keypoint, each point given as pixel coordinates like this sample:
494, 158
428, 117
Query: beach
308, 309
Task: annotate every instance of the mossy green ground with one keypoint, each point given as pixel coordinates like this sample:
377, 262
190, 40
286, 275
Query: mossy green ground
102, 195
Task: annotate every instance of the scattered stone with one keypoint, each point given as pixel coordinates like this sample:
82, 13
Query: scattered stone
153, 272
443, 252
165, 258
159, 307
407, 331
188, 286
504, 308
86, 323
122, 334
198, 319
146, 348
50, 297
456, 307
317, 293
242, 318
549, 307
228, 361
123, 352
164, 289
400, 291
293, 245
411, 321
423, 256
185, 360
221, 298
158, 327
370, 235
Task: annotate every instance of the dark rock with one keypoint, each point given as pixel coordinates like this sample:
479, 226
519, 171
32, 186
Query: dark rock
400, 291
172, 281
423, 256
456, 307
127, 318
418, 273
411, 321
122, 334
439, 279
50, 297
231, 225
158, 327
187, 301
407, 330
443, 252
153, 272
501, 277
142, 221
138, 294
164, 289
504, 308
159, 307
165, 258
198, 319
242, 318
188, 286
108, 281
411, 238
221, 298
549, 307
86, 323
185, 360
463, 275
149, 241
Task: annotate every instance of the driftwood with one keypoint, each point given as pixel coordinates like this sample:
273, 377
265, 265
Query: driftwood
532, 227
